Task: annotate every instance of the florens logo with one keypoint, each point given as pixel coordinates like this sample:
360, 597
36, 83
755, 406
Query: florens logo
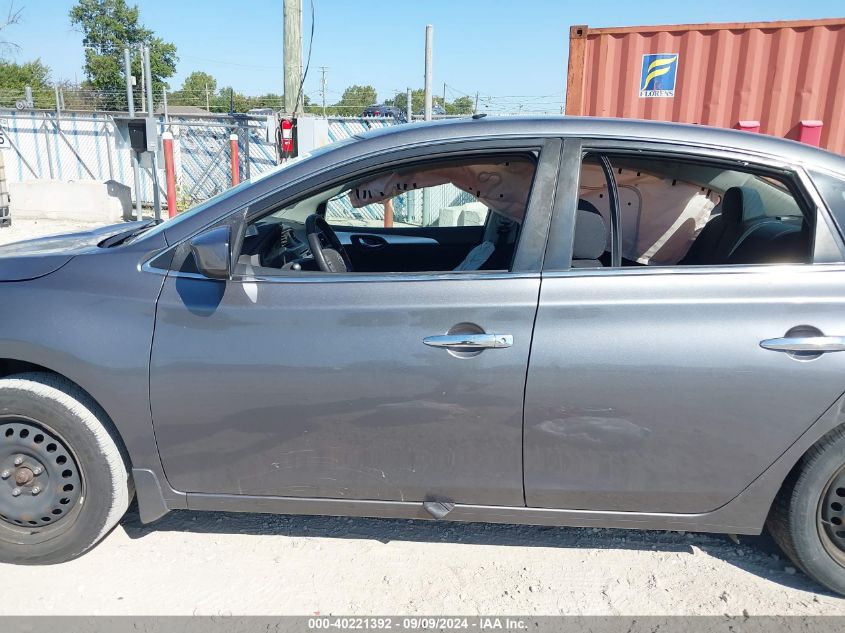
658, 75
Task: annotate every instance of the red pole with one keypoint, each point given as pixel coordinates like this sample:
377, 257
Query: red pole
388, 213
236, 169
170, 173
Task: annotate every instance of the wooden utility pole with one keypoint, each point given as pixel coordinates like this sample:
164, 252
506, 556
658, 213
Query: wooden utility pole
293, 55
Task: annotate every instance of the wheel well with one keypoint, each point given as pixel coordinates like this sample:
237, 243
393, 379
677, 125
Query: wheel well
11, 366
791, 477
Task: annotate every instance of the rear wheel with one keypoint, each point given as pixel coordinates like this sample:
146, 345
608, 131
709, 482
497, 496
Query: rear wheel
808, 517
64, 481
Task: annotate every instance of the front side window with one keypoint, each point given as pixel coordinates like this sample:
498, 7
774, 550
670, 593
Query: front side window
673, 212
434, 216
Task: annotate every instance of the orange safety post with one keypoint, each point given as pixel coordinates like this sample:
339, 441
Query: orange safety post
170, 173
236, 169
388, 213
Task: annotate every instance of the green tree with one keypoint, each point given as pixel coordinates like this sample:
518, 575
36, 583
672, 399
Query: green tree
194, 90
17, 76
14, 78
198, 82
354, 99
417, 100
461, 105
108, 26
228, 99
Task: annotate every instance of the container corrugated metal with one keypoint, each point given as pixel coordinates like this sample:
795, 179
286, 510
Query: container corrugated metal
777, 73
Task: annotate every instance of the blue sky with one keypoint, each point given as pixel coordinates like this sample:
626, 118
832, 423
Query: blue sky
511, 51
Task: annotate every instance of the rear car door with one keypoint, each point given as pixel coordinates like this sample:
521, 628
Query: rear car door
658, 385
320, 385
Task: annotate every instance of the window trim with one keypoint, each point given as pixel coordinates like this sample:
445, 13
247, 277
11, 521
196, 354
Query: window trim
795, 175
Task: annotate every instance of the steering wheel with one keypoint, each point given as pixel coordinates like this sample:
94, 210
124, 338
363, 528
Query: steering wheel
325, 246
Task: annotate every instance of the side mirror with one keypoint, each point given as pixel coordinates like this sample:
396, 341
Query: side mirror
212, 253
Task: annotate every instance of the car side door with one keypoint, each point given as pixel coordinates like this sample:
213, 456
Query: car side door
321, 385
670, 388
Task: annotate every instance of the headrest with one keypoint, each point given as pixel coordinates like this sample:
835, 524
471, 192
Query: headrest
590, 235
733, 202
496, 226
752, 203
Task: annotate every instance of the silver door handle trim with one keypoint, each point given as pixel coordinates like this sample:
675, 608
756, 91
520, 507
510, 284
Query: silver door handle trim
817, 344
469, 342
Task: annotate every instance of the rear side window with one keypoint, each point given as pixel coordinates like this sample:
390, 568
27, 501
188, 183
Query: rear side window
686, 213
832, 189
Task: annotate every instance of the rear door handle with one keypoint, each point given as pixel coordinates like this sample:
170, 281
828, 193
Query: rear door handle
469, 342
812, 344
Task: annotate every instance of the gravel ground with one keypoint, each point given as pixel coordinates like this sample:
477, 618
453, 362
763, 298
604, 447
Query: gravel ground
240, 564
214, 563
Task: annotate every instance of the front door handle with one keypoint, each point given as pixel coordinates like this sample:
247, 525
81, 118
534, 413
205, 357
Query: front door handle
807, 344
469, 342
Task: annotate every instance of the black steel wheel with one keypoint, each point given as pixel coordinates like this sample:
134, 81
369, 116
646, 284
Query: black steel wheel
831, 517
40, 481
807, 518
64, 478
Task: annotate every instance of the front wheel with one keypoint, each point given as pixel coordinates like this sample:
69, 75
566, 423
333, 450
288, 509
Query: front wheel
808, 517
64, 482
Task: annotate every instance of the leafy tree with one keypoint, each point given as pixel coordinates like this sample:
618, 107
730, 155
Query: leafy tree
18, 76
355, 98
198, 82
14, 78
417, 100
193, 90
461, 105
227, 98
108, 26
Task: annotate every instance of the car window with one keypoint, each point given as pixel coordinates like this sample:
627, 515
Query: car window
448, 215
675, 212
832, 189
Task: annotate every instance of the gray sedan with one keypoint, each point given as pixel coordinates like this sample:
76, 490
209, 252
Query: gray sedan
571, 321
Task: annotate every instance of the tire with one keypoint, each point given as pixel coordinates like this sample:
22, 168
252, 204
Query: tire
55, 438
801, 517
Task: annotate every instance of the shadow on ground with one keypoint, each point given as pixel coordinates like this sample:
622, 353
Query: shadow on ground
758, 555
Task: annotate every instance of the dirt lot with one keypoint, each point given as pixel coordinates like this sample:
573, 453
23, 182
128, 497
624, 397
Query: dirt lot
195, 563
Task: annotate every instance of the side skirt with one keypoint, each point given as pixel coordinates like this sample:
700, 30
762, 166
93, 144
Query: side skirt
466, 513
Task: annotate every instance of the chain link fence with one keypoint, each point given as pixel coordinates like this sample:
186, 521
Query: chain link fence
71, 146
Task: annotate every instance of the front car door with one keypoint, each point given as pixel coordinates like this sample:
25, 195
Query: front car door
319, 385
658, 383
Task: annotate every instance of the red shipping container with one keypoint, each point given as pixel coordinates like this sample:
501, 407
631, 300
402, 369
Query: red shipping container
777, 73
